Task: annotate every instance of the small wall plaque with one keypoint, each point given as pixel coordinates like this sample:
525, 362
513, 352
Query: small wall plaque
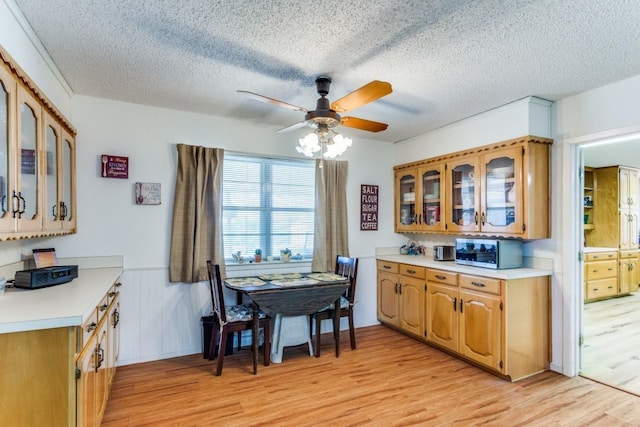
114, 166
368, 207
148, 193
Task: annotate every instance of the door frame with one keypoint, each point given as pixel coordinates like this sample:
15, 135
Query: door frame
572, 240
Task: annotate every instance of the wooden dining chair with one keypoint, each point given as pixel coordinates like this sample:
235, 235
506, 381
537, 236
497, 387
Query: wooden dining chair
228, 319
347, 267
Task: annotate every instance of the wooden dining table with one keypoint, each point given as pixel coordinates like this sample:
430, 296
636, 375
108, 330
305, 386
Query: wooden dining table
290, 294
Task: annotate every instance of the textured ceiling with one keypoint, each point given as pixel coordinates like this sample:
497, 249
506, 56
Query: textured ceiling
446, 59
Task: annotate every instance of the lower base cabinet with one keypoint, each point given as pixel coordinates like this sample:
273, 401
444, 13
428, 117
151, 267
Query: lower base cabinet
96, 363
60, 376
501, 325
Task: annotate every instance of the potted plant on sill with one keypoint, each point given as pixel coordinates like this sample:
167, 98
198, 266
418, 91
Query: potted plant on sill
258, 255
285, 255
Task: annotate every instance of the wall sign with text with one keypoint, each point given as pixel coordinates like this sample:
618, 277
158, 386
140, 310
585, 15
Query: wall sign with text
114, 166
368, 207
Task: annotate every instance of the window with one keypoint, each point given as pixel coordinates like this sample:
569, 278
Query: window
268, 204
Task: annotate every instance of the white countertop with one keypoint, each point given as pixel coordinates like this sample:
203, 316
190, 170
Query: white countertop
507, 274
63, 305
591, 249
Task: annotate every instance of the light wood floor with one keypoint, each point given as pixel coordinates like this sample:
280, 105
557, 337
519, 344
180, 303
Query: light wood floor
390, 380
611, 350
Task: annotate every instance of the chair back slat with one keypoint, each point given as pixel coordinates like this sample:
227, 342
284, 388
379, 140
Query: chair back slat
348, 267
217, 293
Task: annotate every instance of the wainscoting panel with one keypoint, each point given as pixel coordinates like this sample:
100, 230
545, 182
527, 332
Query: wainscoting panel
160, 320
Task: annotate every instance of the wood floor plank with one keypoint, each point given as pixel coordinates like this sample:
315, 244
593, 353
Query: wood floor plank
611, 350
390, 380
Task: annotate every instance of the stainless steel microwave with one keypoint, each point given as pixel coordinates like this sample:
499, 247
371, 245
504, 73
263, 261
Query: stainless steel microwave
487, 253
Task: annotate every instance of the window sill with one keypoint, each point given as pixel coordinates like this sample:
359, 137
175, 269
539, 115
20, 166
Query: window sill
267, 267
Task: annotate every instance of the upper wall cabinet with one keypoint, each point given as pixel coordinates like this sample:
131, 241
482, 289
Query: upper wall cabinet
497, 190
419, 198
37, 160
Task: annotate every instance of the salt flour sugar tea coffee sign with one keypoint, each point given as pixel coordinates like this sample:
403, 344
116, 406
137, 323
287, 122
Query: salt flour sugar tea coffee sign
368, 207
114, 166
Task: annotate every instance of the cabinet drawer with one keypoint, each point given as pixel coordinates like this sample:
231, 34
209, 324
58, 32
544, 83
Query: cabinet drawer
602, 270
483, 284
600, 256
629, 254
390, 267
602, 288
412, 271
440, 276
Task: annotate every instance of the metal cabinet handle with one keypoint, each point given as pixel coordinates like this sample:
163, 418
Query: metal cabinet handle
386, 267
479, 284
411, 271
482, 221
116, 318
461, 305
476, 218
91, 327
454, 303
440, 277
63, 210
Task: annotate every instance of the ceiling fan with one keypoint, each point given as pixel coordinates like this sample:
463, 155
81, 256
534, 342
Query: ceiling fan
327, 115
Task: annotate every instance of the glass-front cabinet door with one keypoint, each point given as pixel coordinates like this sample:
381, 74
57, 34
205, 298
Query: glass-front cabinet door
432, 184
405, 204
501, 195
51, 182
7, 175
68, 177
27, 196
463, 202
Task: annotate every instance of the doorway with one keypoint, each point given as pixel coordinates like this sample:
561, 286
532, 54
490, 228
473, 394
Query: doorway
610, 326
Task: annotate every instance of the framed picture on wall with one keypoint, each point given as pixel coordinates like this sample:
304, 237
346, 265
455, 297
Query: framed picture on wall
148, 193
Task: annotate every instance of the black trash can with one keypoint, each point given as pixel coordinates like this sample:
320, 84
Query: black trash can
207, 326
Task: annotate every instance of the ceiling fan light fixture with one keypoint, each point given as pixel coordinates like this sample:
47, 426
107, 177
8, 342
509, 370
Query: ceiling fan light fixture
308, 145
323, 138
337, 146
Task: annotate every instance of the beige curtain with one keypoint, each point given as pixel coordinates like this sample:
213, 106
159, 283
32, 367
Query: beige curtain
196, 234
331, 237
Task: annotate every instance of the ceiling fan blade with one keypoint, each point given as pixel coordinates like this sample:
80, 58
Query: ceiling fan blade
368, 125
272, 101
359, 97
293, 127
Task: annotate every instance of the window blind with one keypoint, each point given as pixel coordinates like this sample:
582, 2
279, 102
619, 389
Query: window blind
268, 204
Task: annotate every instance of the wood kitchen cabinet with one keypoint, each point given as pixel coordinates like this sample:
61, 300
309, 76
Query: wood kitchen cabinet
411, 299
59, 179
419, 201
442, 309
388, 297
54, 369
501, 325
481, 337
616, 210
465, 321
501, 189
615, 225
37, 160
601, 275
401, 293
96, 363
628, 272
